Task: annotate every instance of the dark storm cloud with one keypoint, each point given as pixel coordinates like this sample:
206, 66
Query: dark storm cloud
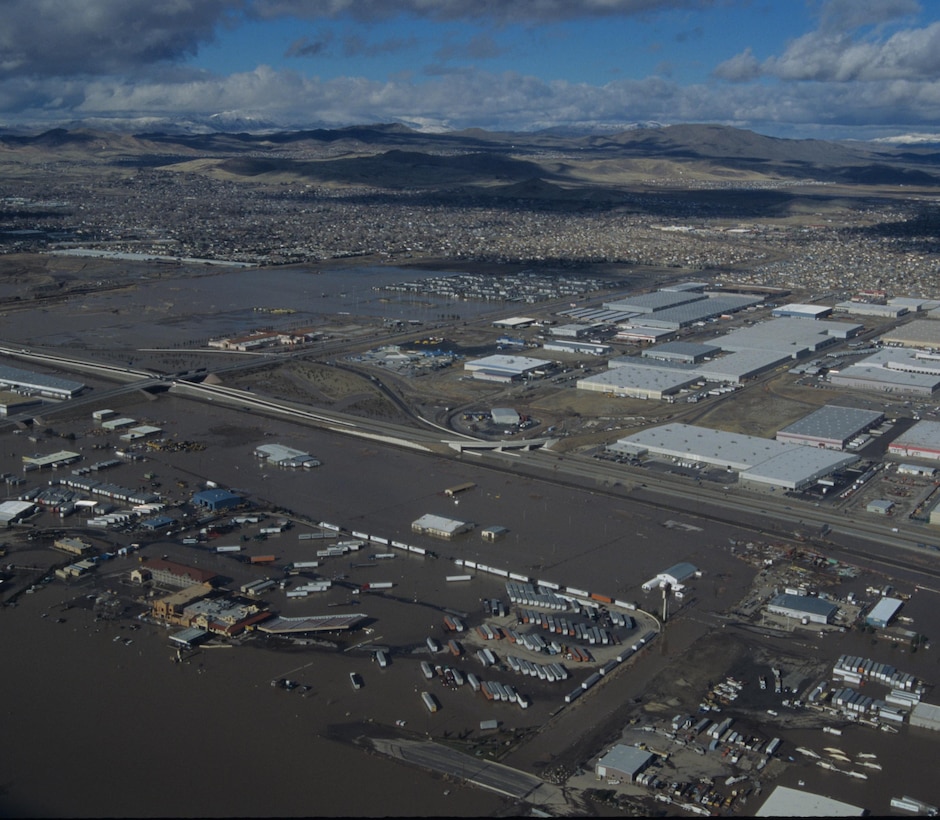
73, 37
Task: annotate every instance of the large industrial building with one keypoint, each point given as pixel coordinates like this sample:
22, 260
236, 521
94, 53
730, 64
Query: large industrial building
920, 441
655, 302
923, 333
799, 311
830, 426
686, 315
639, 381
792, 337
623, 762
440, 527
814, 610
737, 367
283, 456
882, 612
684, 352
39, 384
893, 370
502, 368
756, 460
788, 802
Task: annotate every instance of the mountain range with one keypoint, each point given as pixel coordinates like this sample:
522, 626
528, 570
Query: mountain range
545, 164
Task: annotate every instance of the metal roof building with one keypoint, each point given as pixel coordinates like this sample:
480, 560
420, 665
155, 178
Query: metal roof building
505, 366
623, 761
439, 526
921, 441
687, 352
740, 365
698, 311
787, 802
655, 302
802, 311
638, 381
920, 333
926, 715
870, 309
830, 426
882, 612
803, 606
283, 456
757, 460
865, 377
795, 337
52, 386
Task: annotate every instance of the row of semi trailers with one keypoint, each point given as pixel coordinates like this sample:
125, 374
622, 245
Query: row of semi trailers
491, 690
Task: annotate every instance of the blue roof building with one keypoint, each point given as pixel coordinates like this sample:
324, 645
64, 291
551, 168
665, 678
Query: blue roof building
216, 499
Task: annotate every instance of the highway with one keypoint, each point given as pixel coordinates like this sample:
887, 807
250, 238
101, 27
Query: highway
774, 517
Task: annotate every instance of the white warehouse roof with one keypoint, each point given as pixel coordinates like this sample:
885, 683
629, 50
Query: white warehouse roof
830, 423
787, 802
516, 365
644, 381
758, 459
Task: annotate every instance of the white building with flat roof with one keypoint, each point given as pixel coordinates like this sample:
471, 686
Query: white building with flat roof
639, 381
787, 802
920, 441
757, 460
830, 426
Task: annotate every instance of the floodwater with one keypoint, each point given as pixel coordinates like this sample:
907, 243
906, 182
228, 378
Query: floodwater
167, 311
98, 727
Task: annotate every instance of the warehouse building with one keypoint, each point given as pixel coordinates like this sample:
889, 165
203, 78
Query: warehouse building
879, 506
793, 337
758, 461
802, 311
39, 384
13, 511
741, 365
440, 527
871, 309
862, 376
922, 333
573, 331
920, 441
814, 610
505, 416
686, 315
675, 576
57, 459
638, 381
12, 403
914, 304
787, 802
683, 352
642, 334
505, 368
281, 456
659, 300
926, 716
216, 499
623, 762
567, 346
882, 612
830, 426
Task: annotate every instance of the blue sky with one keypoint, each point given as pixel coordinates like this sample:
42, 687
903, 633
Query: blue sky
796, 68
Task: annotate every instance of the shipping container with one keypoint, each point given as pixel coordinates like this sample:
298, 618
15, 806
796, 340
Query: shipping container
430, 701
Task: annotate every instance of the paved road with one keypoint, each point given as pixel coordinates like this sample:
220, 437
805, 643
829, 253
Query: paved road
486, 774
